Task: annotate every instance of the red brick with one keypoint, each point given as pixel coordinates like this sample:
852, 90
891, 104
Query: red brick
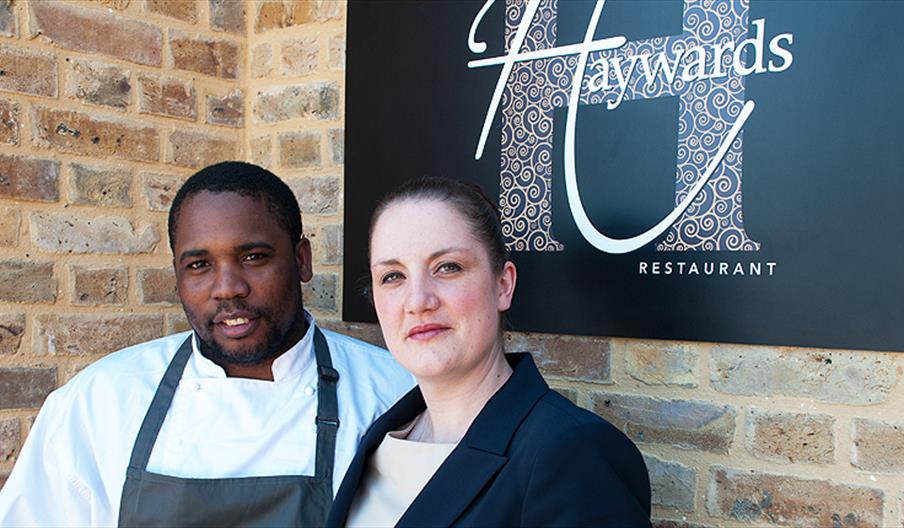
227, 15
791, 437
10, 222
317, 195
878, 445
661, 362
10, 439
272, 14
176, 322
196, 149
23, 388
12, 326
217, 58
98, 83
75, 233
93, 286
759, 498
369, 333
157, 286
96, 137
275, 14
26, 178
580, 358
159, 190
185, 10
685, 424
166, 96
27, 281
100, 186
96, 31
300, 149
228, 110
9, 122
94, 334
27, 72
672, 485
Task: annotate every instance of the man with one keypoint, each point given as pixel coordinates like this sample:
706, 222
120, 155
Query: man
251, 420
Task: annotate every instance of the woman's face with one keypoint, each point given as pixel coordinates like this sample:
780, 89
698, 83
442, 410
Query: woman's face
436, 295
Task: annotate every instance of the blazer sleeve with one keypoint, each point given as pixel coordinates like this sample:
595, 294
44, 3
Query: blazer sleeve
591, 475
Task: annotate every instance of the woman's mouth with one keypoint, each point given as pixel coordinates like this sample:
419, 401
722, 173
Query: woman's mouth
426, 332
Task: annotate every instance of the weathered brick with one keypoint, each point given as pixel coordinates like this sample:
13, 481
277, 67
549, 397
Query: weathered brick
9, 122
227, 15
27, 72
176, 322
673, 523
23, 388
197, 149
26, 178
3, 478
8, 23
337, 52
27, 281
300, 149
98, 83
337, 146
93, 334
684, 424
661, 362
217, 58
331, 240
94, 286
275, 14
10, 220
300, 56
157, 286
262, 60
180, 9
571, 394
166, 96
320, 293
95, 136
272, 14
311, 100
672, 485
95, 31
369, 333
579, 358
101, 186
790, 437
760, 498
856, 378
12, 326
159, 190
10, 439
878, 446
71, 233
262, 151
228, 110
317, 195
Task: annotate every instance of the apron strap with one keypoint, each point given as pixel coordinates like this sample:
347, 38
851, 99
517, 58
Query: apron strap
153, 420
327, 408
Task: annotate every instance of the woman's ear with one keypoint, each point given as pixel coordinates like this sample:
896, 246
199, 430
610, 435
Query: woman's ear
505, 286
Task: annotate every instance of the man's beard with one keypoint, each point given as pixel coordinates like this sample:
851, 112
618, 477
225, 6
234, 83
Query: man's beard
274, 344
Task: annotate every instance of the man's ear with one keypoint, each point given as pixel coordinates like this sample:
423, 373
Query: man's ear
303, 259
505, 286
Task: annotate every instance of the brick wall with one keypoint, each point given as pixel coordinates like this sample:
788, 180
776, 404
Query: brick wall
105, 106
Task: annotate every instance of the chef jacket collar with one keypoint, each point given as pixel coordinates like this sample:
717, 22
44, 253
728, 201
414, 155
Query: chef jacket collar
291, 363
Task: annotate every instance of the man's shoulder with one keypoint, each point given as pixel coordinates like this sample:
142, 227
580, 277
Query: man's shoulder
366, 365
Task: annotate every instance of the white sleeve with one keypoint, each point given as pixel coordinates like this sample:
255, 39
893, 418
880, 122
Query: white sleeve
43, 489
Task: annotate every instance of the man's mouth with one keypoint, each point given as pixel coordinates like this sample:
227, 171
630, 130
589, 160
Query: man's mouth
236, 322
236, 325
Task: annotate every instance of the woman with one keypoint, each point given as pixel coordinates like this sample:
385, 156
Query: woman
482, 440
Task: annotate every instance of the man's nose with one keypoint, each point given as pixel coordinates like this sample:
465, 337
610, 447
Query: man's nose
229, 283
422, 295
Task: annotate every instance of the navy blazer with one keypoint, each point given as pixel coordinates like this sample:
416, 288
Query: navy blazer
530, 458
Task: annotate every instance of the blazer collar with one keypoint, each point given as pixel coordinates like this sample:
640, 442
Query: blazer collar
481, 452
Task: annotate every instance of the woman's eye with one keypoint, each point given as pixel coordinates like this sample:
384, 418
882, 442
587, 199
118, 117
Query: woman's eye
389, 278
448, 267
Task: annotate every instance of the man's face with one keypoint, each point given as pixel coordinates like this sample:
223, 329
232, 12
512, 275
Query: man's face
239, 276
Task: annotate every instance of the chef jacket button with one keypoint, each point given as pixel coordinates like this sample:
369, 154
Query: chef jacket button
196, 386
309, 391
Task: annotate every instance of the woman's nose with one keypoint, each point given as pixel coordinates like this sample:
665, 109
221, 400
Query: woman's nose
422, 295
229, 284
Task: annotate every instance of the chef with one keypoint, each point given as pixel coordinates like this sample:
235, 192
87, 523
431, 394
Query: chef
251, 419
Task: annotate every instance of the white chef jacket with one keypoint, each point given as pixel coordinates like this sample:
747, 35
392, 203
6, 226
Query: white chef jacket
73, 465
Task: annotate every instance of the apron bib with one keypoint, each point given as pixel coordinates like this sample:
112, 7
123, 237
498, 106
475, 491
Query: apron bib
151, 499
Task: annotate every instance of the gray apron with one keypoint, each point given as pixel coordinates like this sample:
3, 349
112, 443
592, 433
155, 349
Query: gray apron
151, 499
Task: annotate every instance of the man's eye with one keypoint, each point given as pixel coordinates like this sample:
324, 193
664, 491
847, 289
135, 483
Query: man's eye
197, 264
254, 257
448, 267
392, 276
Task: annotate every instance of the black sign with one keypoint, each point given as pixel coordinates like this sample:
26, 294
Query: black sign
723, 171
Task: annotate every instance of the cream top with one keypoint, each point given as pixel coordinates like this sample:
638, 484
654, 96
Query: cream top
395, 475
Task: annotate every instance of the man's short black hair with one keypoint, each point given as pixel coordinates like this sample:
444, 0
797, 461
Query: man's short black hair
243, 179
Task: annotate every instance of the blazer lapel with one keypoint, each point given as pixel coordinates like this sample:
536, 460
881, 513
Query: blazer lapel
482, 451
